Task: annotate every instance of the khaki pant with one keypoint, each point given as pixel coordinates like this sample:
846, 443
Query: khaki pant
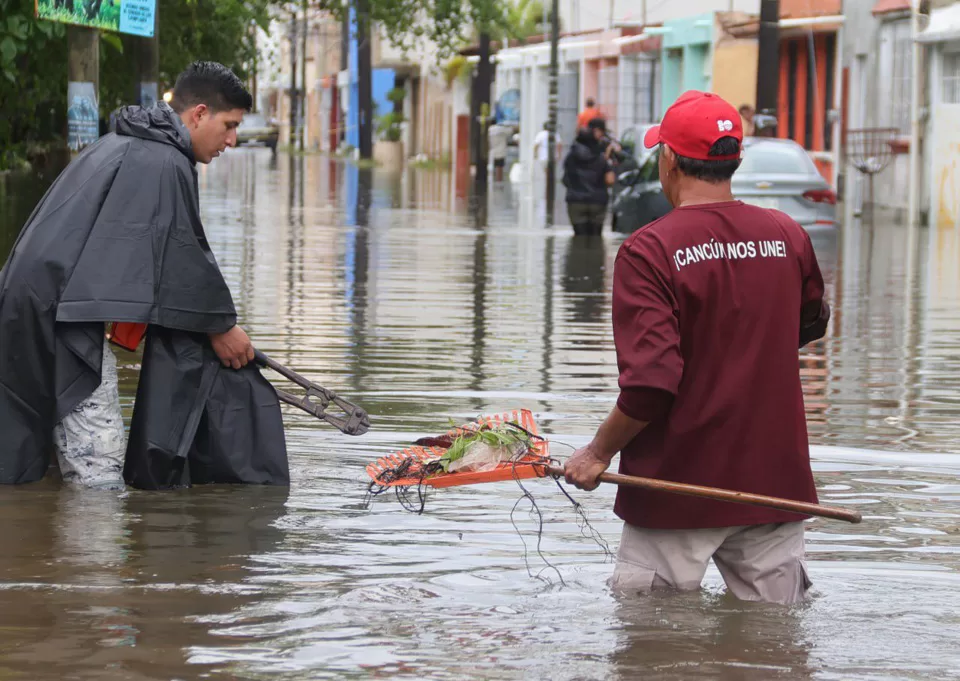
758, 562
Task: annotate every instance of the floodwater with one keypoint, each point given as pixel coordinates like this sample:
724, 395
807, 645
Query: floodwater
399, 298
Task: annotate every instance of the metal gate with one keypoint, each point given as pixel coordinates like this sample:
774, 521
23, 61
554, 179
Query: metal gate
639, 94
608, 96
568, 103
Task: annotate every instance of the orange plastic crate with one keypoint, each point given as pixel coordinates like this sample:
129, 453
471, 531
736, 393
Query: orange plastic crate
530, 466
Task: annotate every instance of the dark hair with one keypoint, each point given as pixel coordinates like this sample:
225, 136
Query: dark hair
712, 171
597, 124
210, 83
590, 102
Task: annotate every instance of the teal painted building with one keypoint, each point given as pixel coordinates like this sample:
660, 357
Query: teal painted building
686, 55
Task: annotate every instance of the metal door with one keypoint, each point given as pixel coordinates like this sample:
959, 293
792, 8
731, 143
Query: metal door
568, 96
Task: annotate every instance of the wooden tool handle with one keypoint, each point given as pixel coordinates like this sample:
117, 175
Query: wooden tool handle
725, 495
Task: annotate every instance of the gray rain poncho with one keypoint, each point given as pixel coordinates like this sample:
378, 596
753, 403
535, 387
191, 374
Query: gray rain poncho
118, 238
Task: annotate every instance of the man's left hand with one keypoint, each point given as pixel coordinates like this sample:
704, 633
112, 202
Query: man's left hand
583, 469
233, 347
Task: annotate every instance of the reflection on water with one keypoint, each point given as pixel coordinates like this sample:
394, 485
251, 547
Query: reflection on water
391, 290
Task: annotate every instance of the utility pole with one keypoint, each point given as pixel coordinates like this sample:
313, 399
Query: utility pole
293, 77
256, 64
916, 125
552, 109
482, 87
83, 87
364, 84
303, 78
344, 66
148, 92
324, 121
768, 63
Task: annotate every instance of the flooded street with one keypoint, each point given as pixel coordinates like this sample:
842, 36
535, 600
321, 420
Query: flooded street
395, 296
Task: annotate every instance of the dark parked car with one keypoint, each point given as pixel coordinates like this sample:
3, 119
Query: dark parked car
637, 196
255, 129
775, 173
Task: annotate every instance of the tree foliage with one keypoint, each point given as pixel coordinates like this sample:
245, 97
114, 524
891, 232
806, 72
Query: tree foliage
33, 77
216, 30
33, 53
33, 62
448, 24
524, 19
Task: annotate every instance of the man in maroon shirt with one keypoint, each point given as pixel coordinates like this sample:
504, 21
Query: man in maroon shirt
710, 305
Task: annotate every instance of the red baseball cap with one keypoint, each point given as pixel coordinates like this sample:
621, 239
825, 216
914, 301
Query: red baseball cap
694, 124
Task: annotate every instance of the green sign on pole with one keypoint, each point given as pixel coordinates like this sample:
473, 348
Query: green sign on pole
123, 16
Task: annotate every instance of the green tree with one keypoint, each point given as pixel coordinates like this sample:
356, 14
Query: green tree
449, 24
33, 63
33, 77
214, 30
524, 19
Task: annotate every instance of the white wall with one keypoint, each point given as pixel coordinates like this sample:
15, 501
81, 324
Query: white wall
527, 69
586, 14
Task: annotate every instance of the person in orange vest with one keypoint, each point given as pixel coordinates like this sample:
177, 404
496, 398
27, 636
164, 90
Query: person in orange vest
588, 114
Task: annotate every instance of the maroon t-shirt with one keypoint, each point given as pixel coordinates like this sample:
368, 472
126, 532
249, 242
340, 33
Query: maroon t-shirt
707, 308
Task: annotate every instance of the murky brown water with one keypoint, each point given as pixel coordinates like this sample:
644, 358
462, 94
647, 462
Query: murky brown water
422, 316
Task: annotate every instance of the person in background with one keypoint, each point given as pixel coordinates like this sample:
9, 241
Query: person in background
587, 173
746, 119
499, 136
588, 114
540, 144
710, 305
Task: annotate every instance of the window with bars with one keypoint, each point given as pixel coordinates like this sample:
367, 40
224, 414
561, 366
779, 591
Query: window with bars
895, 70
639, 96
646, 91
607, 95
950, 78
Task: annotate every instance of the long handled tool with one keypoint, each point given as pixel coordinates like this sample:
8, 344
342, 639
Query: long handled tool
718, 494
355, 421
411, 467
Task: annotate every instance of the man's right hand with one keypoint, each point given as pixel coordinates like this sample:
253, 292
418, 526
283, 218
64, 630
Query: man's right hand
233, 347
583, 469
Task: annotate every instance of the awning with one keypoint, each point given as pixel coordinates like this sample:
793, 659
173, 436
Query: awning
888, 6
944, 25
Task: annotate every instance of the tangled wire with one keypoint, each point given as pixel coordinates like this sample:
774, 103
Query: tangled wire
410, 467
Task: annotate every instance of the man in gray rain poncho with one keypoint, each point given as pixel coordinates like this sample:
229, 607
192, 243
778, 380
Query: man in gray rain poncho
118, 239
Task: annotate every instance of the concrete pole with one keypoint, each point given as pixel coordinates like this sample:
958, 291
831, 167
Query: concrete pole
768, 61
916, 94
322, 78
365, 79
303, 78
256, 68
839, 158
293, 78
482, 84
552, 102
83, 86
